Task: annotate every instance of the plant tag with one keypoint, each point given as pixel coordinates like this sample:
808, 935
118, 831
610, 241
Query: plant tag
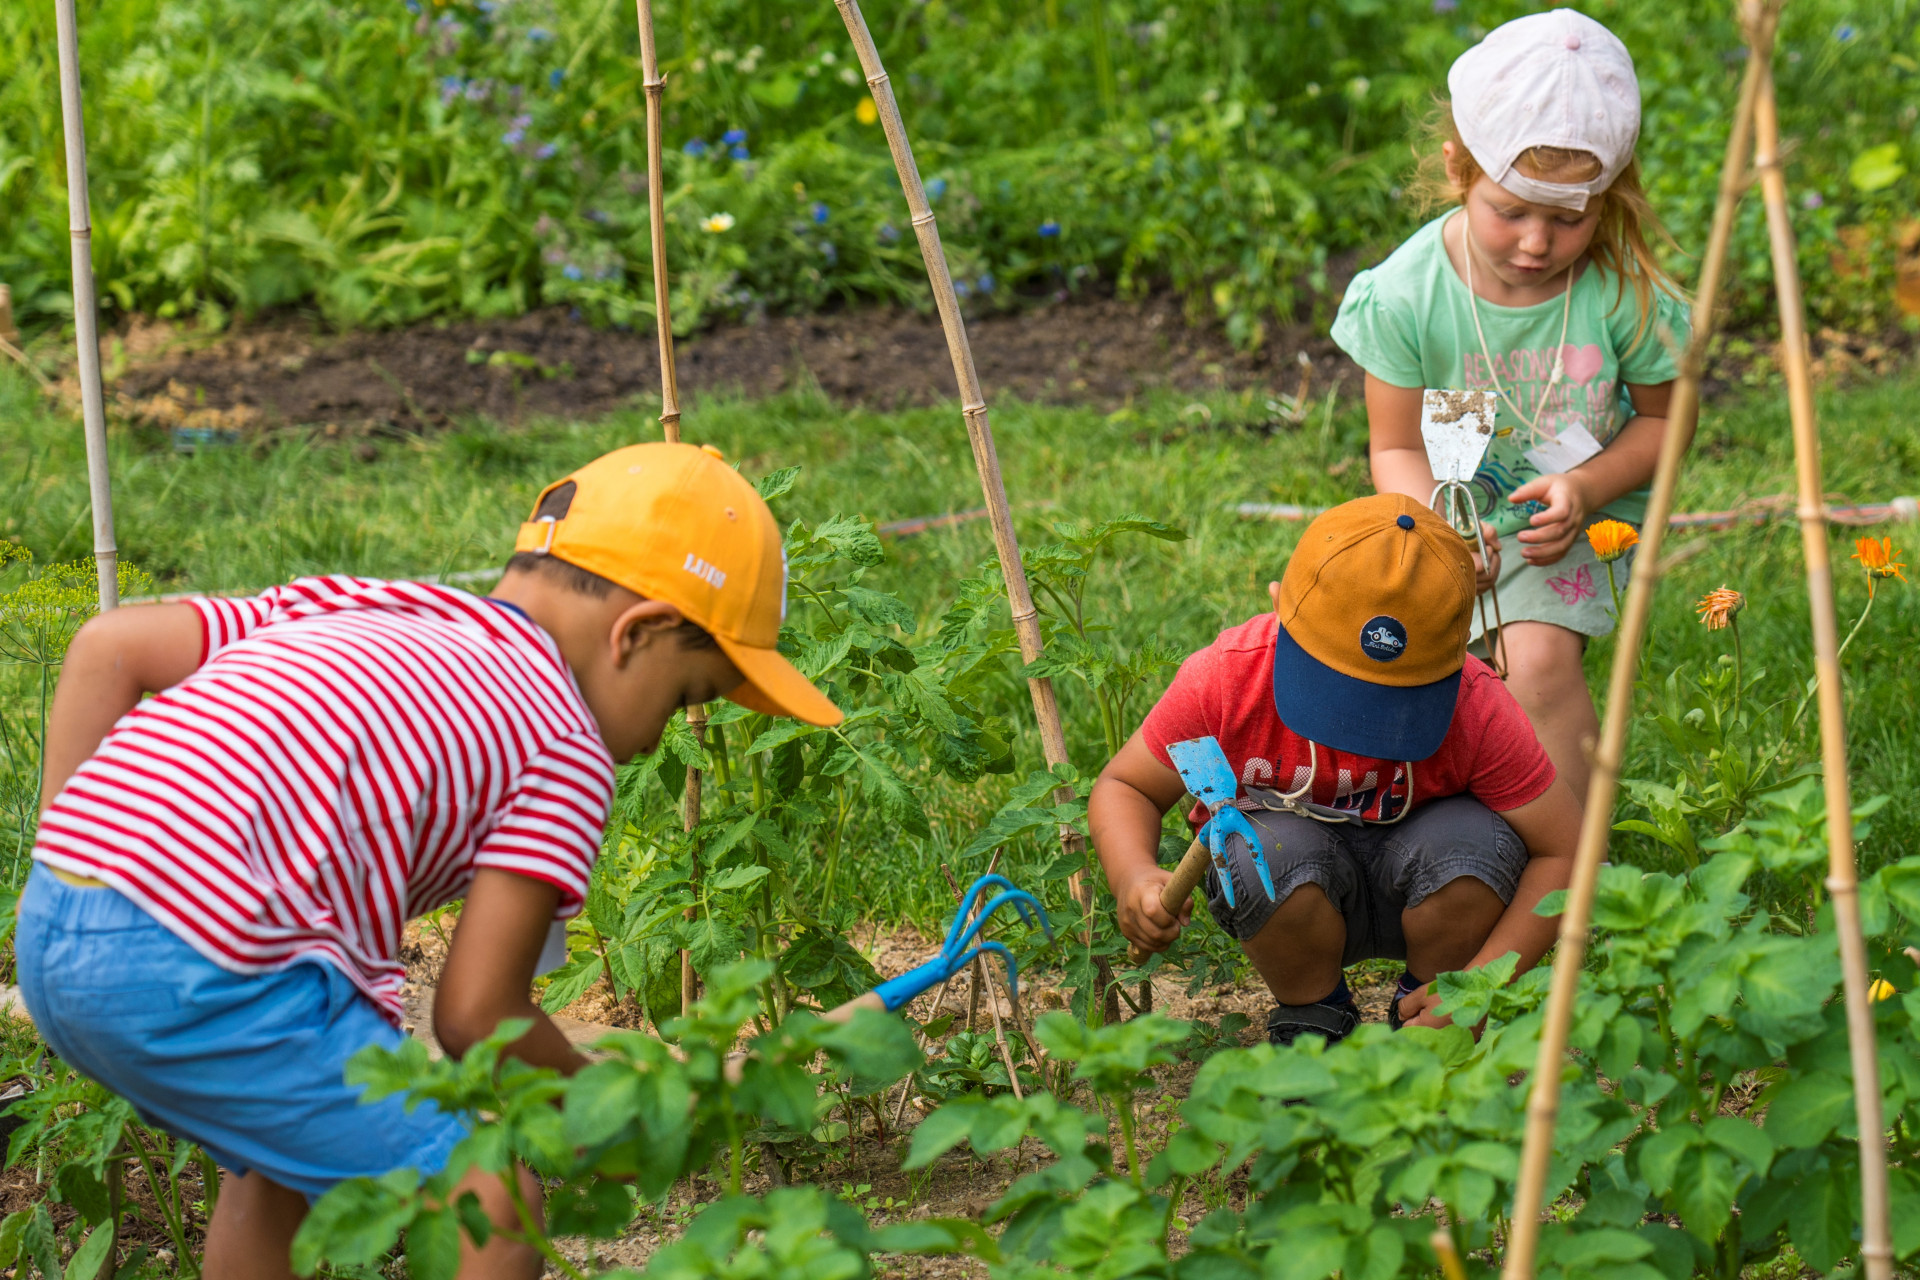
553, 953
1456, 427
1573, 446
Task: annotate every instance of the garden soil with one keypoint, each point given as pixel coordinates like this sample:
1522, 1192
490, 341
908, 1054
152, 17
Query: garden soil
282, 372
868, 1170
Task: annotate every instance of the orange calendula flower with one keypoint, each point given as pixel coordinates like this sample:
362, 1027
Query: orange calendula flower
1718, 606
1612, 539
1879, 557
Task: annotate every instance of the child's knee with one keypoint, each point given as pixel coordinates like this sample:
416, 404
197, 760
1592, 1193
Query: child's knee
1305, 866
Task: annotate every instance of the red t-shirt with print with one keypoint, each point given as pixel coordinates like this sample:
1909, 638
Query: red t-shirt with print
1226, 691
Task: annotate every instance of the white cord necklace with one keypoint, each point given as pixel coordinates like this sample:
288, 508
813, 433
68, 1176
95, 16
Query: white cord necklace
1300, 799
1532, 420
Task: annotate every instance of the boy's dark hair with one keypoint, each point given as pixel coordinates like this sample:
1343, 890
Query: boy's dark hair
691, 635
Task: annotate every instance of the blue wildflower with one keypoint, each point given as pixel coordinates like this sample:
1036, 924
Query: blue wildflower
538, 34
413, 6
545, 151
985, 284
962, 289
827, 251
484, 6
819, 212
1844, 32
740, 153
1812, 200
1049, 229
734, 137
695, 147
1445, 6
599, 215
572, 272
555, 76
889, 234
936, 188
514, 136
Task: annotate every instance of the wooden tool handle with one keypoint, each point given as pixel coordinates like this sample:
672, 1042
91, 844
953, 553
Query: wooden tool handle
1174, 894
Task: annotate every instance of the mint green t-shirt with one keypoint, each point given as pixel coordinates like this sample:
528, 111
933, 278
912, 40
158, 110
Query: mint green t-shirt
1408, 322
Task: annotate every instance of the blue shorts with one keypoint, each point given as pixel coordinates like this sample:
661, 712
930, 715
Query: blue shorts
250, 1066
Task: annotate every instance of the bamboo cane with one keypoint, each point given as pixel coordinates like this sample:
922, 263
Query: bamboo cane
973, 408
1876, 1247
657, 221
1543, 1105
669, 379
86, 321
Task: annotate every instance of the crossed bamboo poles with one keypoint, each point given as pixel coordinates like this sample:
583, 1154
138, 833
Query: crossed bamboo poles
1026, 623
1756, 126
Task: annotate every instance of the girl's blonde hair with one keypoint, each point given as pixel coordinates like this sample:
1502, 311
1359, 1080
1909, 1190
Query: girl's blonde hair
1627, 220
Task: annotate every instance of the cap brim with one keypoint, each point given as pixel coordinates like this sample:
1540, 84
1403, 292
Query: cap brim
1357, 716
775, 686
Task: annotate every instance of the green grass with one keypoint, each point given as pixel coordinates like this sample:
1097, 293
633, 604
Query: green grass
245, 517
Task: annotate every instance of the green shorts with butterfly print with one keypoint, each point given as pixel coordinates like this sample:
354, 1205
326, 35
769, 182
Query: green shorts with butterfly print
1571, 594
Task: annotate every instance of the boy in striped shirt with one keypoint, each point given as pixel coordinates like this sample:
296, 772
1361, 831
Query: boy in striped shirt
224, 870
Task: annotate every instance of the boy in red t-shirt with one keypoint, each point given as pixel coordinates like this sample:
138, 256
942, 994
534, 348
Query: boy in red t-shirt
1406, 808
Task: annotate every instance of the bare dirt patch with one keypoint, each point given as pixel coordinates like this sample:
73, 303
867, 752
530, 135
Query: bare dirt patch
282, 371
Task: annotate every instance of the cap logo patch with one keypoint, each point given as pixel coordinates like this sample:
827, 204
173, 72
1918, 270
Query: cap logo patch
707, 573
1383, 638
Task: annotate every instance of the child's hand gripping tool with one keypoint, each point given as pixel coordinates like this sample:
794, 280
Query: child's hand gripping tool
955, 953
1457, 427
1209, 777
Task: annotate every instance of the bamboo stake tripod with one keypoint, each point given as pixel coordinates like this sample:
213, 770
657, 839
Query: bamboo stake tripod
1756, 126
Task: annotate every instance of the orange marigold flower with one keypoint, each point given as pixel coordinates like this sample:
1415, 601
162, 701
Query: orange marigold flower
1612, 539
1879, 557
1718, 606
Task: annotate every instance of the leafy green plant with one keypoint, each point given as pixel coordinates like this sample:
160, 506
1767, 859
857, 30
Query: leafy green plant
644, 1115
82, 1140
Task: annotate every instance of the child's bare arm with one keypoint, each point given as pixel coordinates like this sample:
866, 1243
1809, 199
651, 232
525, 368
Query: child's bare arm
490, 970
1398, 456
114, 661
1626, 464
1123, 813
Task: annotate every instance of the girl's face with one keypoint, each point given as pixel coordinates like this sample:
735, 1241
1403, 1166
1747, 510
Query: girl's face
1525, 244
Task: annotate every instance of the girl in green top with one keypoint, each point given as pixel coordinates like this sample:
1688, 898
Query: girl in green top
1540, 287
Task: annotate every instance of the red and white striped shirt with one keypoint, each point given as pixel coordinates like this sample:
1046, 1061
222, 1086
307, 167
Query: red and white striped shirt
347, 754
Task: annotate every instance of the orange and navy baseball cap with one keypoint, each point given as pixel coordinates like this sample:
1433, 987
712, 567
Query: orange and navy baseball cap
1375, 608
674, 522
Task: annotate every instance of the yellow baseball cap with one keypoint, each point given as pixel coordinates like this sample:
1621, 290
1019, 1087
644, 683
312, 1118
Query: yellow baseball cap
674, 522
1375, 609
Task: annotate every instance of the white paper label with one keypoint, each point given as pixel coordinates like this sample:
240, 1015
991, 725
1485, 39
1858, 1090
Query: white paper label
553, 953
1573, 446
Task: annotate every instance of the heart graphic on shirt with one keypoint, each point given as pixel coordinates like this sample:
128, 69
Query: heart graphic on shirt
1581, 363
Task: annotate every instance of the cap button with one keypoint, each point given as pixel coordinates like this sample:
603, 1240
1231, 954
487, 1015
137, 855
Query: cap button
1573, 42
713, 449
1405, 522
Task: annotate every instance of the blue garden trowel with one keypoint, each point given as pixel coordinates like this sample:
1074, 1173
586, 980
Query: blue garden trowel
1203, 767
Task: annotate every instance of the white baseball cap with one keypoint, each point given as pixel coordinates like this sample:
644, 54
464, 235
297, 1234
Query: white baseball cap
1556, 79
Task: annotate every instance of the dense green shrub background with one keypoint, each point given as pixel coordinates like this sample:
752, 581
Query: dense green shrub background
382, 164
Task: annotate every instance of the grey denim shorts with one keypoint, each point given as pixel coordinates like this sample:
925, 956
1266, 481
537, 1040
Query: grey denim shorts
1371, 873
